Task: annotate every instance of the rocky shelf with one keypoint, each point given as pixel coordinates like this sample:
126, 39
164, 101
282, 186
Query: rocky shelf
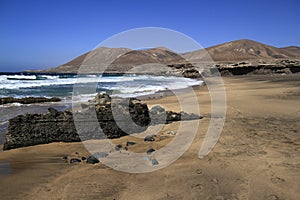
27, 100
116, 119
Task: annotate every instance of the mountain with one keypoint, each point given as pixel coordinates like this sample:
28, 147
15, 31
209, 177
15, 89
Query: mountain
241, 50
293, 50
100, 57
116, 60
122, 59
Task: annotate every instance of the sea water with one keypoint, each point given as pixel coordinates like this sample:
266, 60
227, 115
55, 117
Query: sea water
19, 85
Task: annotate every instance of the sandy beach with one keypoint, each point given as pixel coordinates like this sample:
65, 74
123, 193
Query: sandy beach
256, 157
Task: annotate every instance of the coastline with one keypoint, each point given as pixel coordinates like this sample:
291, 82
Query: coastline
257, 156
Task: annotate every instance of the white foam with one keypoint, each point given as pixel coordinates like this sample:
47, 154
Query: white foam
124, 86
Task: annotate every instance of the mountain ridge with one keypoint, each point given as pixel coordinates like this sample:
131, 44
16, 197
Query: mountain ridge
123, 59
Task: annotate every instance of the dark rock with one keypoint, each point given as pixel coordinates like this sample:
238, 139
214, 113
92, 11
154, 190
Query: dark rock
53, 112
191, 73
129, 116
158, 115
92, 160
65, 157
102, 98
186, 116
84, 106
149, 138
130, 143
154, 161
75, 160
27, 100
156, 110
172, 116
149, 151
83, 158
118, 147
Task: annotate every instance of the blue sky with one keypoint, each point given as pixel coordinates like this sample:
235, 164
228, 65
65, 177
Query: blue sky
46, 33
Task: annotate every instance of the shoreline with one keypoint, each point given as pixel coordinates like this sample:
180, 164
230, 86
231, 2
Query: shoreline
257, 156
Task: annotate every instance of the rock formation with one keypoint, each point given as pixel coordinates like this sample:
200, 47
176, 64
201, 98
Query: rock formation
27, 100
117, 118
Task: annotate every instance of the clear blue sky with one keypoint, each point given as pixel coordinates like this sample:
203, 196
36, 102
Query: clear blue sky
46, 33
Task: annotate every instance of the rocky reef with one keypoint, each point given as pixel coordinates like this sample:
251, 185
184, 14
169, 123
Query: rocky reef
117, 118
27, 100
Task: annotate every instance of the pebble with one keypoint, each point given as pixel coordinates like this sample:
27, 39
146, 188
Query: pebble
149, 151
149, 138
75, 160
154, 161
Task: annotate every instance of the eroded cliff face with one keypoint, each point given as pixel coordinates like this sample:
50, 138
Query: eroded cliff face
253, 67
102, 118
259, 67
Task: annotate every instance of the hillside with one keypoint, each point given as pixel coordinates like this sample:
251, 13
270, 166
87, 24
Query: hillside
241, 50
115, 60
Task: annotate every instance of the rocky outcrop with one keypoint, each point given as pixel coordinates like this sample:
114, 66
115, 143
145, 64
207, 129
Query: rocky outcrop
285, 66
117, 118
27, 100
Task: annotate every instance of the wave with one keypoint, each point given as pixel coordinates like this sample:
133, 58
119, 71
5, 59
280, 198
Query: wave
21, 77
62, 86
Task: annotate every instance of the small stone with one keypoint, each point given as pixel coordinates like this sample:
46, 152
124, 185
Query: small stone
198, 171
272, 197
83, 158
118, 147
149, 138
65, 157
149, 151
92, 160
219, 198
154, 161
130, 143
75, 160
215, 180
171, 133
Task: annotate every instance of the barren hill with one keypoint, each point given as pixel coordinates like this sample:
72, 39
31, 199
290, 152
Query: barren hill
122, 59
241, 50
116, 60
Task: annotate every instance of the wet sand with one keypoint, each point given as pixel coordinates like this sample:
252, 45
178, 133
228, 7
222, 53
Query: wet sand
257, 155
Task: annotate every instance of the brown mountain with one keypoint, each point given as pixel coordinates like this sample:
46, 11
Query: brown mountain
241, 50
122, 59
101, 56
293, 50
116, 60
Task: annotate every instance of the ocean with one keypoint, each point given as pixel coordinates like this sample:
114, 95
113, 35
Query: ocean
21, 85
